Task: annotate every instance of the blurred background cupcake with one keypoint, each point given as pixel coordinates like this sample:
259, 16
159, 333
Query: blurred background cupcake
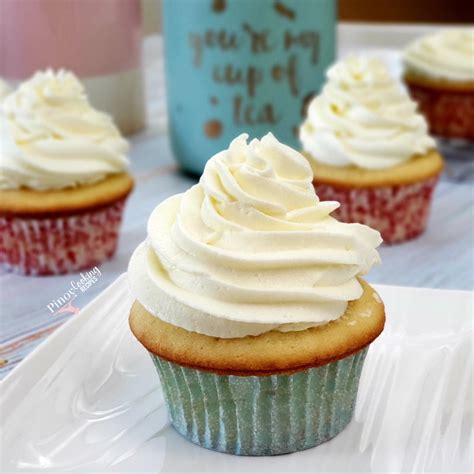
250, 302
370, 150
439, 74
63, 179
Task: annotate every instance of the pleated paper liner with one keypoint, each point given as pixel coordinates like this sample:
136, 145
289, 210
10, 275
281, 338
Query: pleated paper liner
59, 244
399, 213
450, 113
261, 415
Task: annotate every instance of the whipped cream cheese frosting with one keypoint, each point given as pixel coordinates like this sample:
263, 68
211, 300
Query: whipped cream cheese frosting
250, 248
363, 118
446, 54
52, 138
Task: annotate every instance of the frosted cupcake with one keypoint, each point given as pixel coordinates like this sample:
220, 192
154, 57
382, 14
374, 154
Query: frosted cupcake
370, 150
63, 179
250, 301
439, 74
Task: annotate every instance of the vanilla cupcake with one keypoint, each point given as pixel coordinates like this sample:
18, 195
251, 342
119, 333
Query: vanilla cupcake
370, 150
63, 179
439, 74
250, 301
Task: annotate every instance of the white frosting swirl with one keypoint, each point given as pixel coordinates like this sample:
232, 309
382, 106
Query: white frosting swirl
4, 89
52, 138
250, 248
446, 54
363, 118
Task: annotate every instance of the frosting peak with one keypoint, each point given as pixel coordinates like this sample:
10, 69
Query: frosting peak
446, 54
264, 177
360, 73
52, 138
250, 248
363, 117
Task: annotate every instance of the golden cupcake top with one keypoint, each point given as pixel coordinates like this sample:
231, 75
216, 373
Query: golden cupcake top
270, 352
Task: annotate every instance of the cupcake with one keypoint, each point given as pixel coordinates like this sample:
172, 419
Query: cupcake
250, 301
370, 150
63, 179
439, 74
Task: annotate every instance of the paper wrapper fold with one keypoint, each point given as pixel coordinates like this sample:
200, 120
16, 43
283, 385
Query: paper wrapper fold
59, 244
261, 415
449, 113
399, 213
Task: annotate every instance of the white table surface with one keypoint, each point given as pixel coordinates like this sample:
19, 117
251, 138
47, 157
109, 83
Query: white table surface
443, 257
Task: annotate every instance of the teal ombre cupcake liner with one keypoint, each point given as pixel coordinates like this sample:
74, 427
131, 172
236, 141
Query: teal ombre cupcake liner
261, 415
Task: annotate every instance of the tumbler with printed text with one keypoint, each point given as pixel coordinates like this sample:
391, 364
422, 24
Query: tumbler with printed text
242, 66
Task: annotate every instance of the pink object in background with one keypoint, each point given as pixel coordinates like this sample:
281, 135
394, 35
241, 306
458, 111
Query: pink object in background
100, 41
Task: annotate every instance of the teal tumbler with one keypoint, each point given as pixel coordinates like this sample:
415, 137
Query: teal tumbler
235, 66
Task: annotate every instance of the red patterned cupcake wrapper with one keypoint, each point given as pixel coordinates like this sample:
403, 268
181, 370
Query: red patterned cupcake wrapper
62, 244
399, 213
449, 113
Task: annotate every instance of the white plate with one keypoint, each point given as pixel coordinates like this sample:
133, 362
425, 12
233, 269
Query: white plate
89, 400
